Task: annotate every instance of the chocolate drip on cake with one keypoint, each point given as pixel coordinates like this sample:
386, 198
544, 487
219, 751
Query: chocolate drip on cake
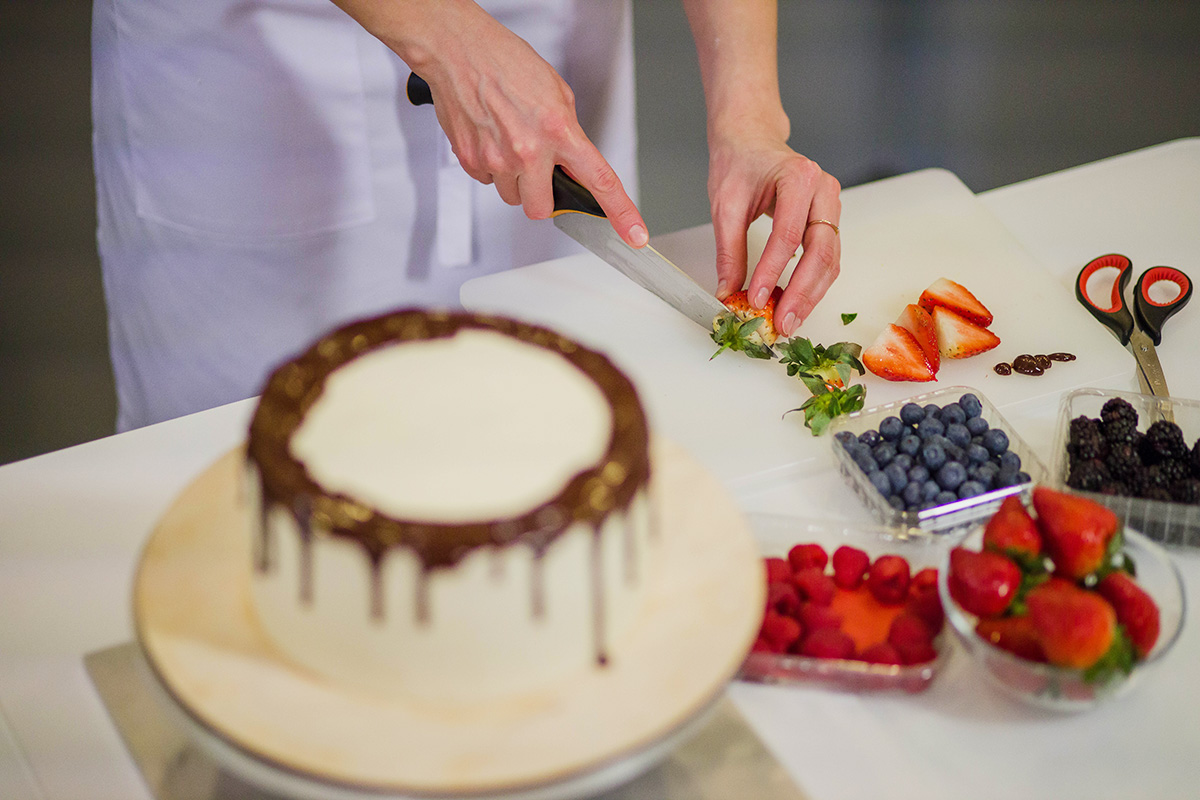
588, 498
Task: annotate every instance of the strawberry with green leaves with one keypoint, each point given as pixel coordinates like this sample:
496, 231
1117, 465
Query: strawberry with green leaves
1136, 610
984, 583
1014, 533
747, 329
1080, 535
817, 365
1078, 629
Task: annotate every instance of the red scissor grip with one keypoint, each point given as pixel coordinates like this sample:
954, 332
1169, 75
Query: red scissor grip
1157, 275
1122, 264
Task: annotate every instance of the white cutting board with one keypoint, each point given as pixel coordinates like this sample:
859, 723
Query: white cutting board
898, 236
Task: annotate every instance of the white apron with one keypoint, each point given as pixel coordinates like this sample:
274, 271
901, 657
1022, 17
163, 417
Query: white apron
261, 178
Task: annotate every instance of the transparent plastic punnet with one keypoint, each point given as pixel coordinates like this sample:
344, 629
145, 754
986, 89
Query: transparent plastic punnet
950, 516
1167, 522
776, 534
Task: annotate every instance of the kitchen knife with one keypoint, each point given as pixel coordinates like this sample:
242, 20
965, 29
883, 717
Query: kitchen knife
577, 214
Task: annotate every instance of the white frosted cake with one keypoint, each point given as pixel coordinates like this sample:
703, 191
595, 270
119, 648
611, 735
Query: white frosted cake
452, 508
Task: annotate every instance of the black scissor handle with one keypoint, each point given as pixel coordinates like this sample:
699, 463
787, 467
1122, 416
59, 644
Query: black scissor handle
1115, 315
1151, 314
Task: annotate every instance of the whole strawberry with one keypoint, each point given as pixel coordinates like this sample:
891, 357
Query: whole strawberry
1075, 627
1014, 634
1076, 532
1136, 610
1013, 532
984, 583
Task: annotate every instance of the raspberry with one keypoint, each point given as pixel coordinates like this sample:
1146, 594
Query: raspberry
783, 598
814, 617
925, 580
927, 606
779, 631
827, 643
849, 567
761, 645
778, 570
881, 653
912, 639
888, 580
814, 585
807, 555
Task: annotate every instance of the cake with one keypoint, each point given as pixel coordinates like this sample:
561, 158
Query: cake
449, 507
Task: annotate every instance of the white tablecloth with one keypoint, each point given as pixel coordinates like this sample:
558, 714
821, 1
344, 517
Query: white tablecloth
72, 523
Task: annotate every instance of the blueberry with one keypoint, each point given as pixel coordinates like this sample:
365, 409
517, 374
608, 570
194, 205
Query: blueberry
953, 414
1023, 477
918, 473
896, 502
971, 404
883, 453
866, 463
970, 489
933, 456
954, 452
933, 410
929, 427
904, 461
856, 450
930, 489
909, 444
978, 454
958, 433
1006, 477
977, 425
951, 475
911, 413
912, 494
845, 437
943, 497
880, 482
891, 429
870, 438
928, 504
898, 477
996, 441
1010, 461
986, 474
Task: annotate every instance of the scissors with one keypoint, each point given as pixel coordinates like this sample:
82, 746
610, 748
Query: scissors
1141, 334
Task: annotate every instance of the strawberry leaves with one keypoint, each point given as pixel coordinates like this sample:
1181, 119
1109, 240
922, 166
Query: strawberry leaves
734, 334
826, 372
827, 403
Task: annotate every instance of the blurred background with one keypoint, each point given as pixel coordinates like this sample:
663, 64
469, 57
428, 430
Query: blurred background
996, 91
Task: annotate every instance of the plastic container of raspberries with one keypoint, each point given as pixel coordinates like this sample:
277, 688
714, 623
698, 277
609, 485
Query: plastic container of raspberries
1157, 498
778, 534
994, 462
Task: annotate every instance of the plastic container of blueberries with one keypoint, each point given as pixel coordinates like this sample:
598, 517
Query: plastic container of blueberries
776, 534
950, 516
1169, 523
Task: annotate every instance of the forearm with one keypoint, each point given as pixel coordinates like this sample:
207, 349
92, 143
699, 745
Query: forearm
422, 32
736, 44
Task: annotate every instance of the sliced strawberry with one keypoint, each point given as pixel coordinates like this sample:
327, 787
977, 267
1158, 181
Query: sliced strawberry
896, 356
919, 323
959, 337
1136, 610
739, 304
1076, 532
945, 293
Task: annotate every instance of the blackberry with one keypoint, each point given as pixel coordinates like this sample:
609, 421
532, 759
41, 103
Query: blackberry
1186, 491
1137, 480
1088, 476
1157, 493
1114, 488
1155, 479
1088, 446
1194, 460
1174, 470
1118, 409
1117, 430
1163, 441
1122, 461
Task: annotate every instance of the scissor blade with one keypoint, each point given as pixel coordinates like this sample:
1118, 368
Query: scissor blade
1150, 372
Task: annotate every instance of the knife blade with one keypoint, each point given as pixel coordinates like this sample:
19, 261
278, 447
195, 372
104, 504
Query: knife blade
577, 214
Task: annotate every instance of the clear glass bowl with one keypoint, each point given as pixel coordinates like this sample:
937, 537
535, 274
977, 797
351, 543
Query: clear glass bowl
1166, 522
944, 518
776, 534
1059, 688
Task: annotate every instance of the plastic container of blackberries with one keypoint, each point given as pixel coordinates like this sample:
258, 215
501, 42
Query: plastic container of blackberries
776, 534
939, 513
1173, 521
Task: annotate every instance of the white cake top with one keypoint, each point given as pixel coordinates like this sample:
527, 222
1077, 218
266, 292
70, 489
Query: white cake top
468, 428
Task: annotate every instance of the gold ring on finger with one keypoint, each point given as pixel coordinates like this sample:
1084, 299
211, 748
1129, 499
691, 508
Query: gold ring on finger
812, 222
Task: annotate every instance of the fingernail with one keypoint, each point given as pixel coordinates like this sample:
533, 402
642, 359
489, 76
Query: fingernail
637, 235
760, 297
722, 290
789, 324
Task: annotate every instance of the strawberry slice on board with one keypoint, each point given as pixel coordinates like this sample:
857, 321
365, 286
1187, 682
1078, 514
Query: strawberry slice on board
945, 293
959, 337
896, 356
919, 323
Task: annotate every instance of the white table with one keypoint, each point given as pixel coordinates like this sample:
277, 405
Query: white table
72, 524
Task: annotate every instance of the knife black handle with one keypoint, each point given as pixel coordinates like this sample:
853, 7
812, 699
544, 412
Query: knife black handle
569, 194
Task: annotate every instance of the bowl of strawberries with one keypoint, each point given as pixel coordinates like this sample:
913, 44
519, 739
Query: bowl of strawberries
1060, 604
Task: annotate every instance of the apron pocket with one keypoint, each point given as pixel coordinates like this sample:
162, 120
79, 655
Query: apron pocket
245, 119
